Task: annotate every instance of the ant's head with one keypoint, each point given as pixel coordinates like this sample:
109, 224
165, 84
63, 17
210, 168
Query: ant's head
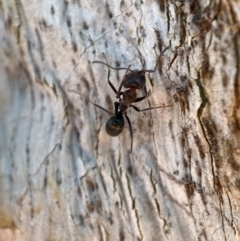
136, 79
114, 125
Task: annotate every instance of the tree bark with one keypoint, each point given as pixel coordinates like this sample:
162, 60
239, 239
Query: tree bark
63, 178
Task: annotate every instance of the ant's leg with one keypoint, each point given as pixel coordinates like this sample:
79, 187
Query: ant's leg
109, 82
108, 76
130, 128
99, 106
143, 97
140, 98
123, 80
150, 108
112, 86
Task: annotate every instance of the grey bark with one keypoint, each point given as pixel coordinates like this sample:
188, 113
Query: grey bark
63, 178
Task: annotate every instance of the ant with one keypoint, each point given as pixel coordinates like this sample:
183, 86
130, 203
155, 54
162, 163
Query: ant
131, 81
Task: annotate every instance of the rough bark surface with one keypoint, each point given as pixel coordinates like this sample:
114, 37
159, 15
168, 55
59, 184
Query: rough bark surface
63, 178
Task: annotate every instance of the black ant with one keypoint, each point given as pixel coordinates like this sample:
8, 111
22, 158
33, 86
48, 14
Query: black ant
131, 81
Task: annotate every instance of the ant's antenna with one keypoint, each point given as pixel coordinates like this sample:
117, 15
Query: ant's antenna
155, 68
115, 68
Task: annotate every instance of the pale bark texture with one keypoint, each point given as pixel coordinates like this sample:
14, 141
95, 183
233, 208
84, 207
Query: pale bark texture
63, 178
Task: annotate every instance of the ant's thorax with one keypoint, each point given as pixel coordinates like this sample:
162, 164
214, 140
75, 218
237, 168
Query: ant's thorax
128, 97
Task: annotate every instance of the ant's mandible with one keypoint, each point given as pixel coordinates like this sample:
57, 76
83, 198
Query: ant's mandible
131, 81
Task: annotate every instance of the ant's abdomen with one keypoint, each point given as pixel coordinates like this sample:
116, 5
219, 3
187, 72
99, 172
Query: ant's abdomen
114, 125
